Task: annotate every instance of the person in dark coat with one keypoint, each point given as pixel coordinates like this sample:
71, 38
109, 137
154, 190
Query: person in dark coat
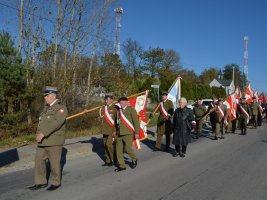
183, 122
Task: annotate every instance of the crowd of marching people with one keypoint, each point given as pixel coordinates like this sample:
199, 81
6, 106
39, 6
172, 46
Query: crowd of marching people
120, 122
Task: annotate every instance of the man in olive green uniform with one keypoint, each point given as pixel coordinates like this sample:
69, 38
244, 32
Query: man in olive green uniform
244, 113
127, 128
213, 115
50, 138
107, 115
199, 111
255, 111
164, 126
221, 119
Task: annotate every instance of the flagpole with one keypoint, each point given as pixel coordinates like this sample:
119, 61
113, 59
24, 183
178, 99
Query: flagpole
83, 112
92, 109
155, 109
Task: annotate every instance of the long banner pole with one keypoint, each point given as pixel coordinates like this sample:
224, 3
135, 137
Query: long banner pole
92, 109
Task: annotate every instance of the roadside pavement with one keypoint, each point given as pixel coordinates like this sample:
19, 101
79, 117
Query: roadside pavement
20, 158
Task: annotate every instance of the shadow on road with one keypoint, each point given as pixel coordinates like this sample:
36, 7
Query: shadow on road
98, 145
9, 157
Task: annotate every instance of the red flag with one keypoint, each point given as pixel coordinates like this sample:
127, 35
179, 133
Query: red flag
139, 103
262, 98
248, 94
231, 103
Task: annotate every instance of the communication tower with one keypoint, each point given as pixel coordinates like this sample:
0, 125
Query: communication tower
117, 45
246, 57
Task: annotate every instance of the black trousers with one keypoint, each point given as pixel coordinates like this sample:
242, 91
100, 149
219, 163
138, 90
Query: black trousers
178, 148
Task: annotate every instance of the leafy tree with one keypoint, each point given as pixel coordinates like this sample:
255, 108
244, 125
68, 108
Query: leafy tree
12, 72
133, 52
208, 75
228, 74
189, 76
171, 60
153, 61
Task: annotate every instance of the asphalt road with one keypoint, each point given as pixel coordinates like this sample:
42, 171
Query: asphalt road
231, 169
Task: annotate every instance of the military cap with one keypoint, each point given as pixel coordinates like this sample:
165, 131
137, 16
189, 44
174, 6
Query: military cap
123, 99
49, 90
164, 93
220, 99
109, 96
243, 98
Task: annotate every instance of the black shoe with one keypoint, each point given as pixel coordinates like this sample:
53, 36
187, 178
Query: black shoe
215, 138
37, 186
167, 149
156, 149
175, 154
53, 187
222, 137
182, 155
120, 169
134, 164
107, 164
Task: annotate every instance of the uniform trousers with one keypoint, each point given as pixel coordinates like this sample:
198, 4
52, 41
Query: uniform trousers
243, 125
109, 149
199, 127
219, 129
124, 143
255, 120
53, 154
160, 133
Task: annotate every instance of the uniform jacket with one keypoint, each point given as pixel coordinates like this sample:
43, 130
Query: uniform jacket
246, 108
224, 109
199, 111
254, 108
52, 122
213, 114
106, 129
131, 114
182, 127
164, 126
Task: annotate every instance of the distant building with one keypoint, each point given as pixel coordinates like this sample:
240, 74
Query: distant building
227, 84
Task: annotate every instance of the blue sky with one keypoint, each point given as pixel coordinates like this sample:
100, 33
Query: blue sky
205, 33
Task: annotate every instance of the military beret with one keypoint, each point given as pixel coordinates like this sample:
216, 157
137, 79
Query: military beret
199, 98
164, 93
49, 90
123, 99
109, 96
254, 97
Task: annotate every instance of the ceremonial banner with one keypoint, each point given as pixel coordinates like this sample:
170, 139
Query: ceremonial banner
175, 92
262, 98
139, 103
248, 94
256, 96
231, 104
238, 94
